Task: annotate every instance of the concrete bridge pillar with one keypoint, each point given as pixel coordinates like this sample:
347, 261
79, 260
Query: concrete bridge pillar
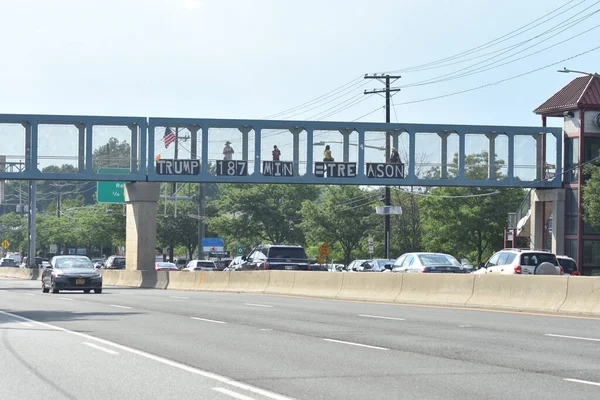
142, 201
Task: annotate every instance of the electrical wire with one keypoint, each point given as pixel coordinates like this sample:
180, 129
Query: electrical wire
497, 82
494, 42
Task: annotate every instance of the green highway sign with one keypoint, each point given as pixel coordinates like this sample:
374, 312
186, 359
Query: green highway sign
112, 192
240, 249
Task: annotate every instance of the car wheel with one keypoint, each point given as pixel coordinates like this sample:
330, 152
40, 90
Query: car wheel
44, 288
54, 289
86, 291
98, 291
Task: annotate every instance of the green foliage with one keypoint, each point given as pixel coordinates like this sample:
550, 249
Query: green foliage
177, 226
114, 154
13, 227
252, 214
591, 196
339, 219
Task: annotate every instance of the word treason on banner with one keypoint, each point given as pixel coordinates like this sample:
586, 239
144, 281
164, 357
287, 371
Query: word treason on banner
383, 170
178, 167
278, 168
335, 169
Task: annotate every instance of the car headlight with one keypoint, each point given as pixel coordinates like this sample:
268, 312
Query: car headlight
59, 276
97, 277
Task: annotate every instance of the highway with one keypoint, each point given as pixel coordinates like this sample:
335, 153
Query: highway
146, 343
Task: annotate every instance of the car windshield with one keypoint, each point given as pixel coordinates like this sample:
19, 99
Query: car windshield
287, 252
568, 265
119, 261
430, 260
535, 259
67, 263
382, 263
206, 264
165, 265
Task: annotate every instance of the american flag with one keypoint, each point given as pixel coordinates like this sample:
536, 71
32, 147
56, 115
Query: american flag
169, 137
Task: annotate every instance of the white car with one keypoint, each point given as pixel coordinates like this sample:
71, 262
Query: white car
201, 265
355, 265
428, 263
235, 264
525, 262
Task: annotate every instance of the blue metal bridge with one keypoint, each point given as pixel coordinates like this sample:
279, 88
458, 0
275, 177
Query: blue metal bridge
90, 148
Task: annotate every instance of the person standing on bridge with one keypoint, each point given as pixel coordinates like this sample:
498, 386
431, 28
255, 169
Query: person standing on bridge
394, 156
327, 157
228, 151
276, 153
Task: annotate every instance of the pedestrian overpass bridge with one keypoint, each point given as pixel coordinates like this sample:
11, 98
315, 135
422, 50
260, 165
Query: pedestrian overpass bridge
140, 149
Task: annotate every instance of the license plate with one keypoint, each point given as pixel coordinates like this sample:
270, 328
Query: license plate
80, 281
289, 267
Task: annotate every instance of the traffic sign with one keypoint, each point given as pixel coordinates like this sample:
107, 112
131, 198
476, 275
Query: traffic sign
320, 260
111, 192
371, 245
324, 250
5, 244
53, 248
239, 250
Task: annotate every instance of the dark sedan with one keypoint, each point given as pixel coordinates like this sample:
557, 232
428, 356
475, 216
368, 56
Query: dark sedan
71, 273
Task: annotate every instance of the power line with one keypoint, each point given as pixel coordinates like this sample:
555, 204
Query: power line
498, 82
491, 43
486, 67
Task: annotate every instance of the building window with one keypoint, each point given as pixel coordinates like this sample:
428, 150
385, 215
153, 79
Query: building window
571, 160
591, 257
571, 211
591, 148
571, 248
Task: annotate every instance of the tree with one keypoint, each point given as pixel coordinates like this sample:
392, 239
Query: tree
591, 196
114, 154
178, 226
339, 218
468, 221
13, 228
251, 214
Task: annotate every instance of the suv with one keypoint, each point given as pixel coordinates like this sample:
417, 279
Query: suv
114, 262
275, 256
526, 262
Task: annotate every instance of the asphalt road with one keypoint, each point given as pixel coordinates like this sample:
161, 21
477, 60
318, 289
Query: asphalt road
142, 343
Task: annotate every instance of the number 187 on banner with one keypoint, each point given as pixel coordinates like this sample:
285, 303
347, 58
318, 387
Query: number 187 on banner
232, 167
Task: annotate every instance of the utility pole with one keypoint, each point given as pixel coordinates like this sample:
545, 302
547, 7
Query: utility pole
174, 190
387, 80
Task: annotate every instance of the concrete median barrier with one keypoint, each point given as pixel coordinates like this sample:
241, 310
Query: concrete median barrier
436, 289
583, 296
519, 292
248, 281
370, 286
280, 282
215, 281
183, 280
109, 277
317, 284
129, 278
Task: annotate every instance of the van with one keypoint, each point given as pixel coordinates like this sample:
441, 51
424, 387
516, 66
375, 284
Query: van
15, 256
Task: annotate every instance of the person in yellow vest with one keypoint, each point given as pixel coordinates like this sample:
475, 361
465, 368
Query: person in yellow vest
327, 154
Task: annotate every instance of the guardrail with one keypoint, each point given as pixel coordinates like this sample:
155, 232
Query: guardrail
547, 294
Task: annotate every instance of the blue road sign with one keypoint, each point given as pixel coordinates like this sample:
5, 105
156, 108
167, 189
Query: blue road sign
213, 242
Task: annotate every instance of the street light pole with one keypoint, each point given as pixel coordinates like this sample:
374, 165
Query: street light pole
572, 71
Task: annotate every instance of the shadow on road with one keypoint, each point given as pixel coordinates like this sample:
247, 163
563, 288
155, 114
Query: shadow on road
50, 316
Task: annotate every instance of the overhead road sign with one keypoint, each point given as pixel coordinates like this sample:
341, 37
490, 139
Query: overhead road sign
111, 192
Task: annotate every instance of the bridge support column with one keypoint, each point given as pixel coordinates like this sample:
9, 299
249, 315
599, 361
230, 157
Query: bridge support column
142, 201
444, 156
296, 149
491, 155
346, 143
543, 203
245, 130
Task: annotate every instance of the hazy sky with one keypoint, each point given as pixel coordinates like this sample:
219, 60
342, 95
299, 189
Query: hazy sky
255, 58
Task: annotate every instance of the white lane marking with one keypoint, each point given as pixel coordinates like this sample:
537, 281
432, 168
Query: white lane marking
580, 381
180, 297
233, 394
356, 344
572, 337
95, 346
66, 298
27, 324
208, 320
210, 375
266, 329
465, 326
258, 305
379, 317
29, 294
117, 306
